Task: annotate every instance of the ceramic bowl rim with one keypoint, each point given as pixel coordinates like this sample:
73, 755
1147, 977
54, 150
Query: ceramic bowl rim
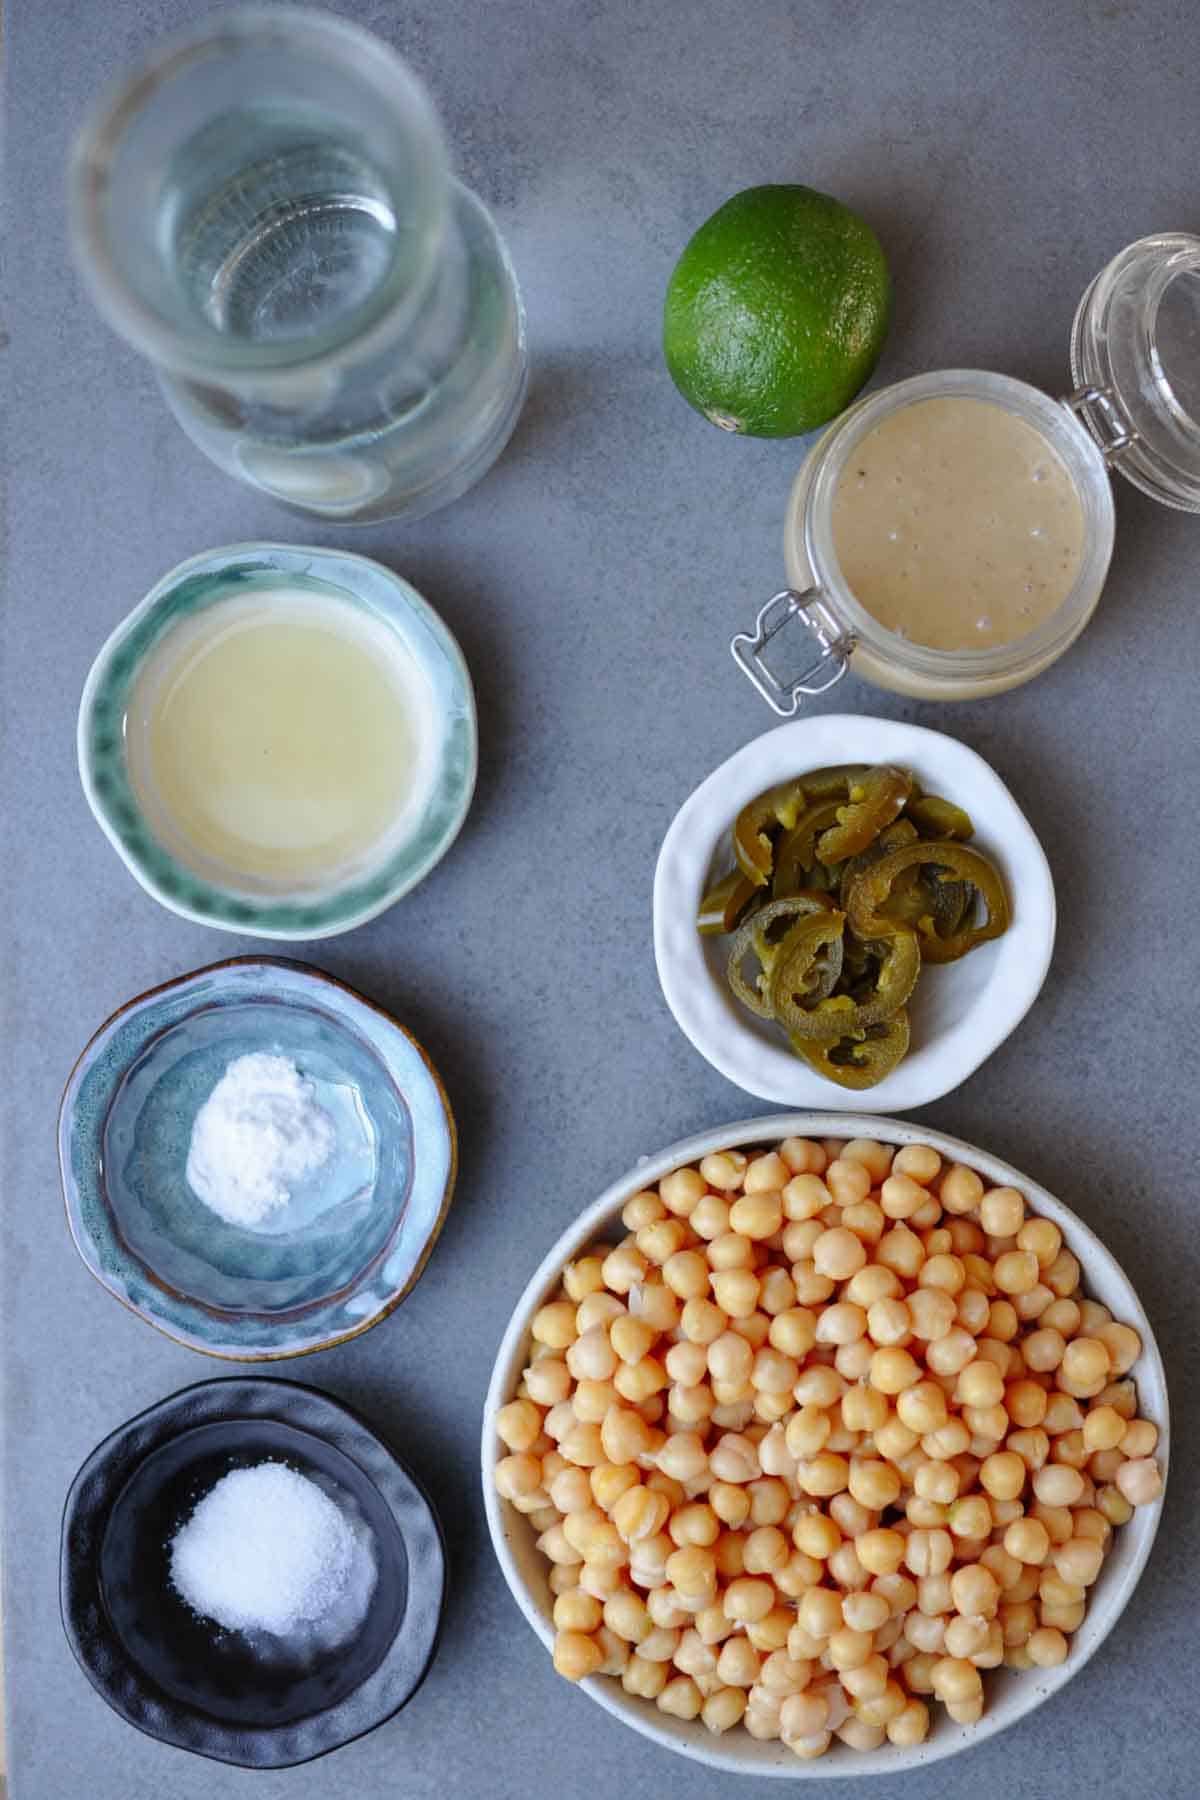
724, 1040
272, 1399
692, 1740
82, 1241
97, 674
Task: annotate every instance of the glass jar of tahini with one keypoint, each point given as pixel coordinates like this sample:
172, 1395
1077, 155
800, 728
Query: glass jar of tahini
949, 536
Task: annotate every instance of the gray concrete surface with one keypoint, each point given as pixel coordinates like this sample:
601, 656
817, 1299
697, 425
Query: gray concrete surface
1003, 152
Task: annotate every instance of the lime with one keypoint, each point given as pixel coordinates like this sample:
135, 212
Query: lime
776, 312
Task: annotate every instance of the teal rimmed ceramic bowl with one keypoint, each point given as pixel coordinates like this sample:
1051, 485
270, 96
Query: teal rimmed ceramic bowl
352, 1239
223, 574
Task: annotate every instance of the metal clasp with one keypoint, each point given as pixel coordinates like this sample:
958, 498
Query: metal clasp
1103, 418
836, 644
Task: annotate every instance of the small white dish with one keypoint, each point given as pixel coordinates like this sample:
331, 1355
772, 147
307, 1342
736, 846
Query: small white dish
960, 1011
1010, 1694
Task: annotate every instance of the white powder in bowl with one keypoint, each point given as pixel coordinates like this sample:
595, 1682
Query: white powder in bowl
267, 1550
259, 1132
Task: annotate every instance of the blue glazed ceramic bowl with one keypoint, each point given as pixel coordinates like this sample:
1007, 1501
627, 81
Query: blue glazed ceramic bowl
204, 581
352, 1239
176, 1675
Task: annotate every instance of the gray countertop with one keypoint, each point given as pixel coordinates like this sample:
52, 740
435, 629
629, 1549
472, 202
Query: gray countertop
1004, 153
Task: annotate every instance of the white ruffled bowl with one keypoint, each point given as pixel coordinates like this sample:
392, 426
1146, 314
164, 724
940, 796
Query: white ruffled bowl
960, 1011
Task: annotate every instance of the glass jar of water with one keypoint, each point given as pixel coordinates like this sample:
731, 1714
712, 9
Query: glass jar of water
265, 209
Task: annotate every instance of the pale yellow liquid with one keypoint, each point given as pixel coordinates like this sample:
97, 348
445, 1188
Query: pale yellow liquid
956, 525
282, 740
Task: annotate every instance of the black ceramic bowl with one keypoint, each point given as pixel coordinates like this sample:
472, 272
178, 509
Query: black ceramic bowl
177, 1676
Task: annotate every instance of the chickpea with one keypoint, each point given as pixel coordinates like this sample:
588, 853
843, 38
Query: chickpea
724, 1169
680, 1192
843, 1323
875, 1485
848, 1181
757, 1215
1139, 1481
950, 1354
554, 1324
701, 1322
1123, 1344
893, 1370
1003, 1475
1140, 1439
735, 1290
734, 1457
643, 1677
928, 1552
1002, 1212
723, 1709
901, 1196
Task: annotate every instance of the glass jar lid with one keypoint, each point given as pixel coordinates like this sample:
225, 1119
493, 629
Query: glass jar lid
1135, 361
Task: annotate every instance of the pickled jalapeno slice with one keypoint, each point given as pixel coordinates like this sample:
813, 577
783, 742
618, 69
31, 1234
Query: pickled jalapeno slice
724, 906
872, 805
763, 935
757, 825
945, 863
796, 862
859, 1060
938, 818
884, 991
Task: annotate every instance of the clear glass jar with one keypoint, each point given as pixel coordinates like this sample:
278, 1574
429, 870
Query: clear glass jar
1135, 359
265, 210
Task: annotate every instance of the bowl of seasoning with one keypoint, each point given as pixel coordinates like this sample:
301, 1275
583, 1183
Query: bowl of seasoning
825, 1445
891, 996
279, 740
255, 1159
250, 1573
949, 535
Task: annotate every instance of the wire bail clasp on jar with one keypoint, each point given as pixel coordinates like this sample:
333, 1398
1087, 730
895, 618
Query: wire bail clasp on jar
1100, 413
816, 618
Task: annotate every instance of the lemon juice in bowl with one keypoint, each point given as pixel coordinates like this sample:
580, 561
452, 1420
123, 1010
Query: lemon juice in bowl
949, 536
281, 739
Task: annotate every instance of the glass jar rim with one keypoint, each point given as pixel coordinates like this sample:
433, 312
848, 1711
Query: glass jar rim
363, 56
1085, 466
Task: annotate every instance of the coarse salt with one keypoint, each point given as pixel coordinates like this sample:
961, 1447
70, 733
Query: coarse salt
266, 1549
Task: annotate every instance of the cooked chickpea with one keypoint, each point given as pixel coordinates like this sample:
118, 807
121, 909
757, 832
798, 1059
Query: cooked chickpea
576, 1655
843, 1323
1002, 1212
1047, 1648
875, 1485
893, 1370
724, 1169
1139, 1481
735, 1291
723, 1709
1140, 1439
756, 1215
1123, 1344
554, 1324
680, 1191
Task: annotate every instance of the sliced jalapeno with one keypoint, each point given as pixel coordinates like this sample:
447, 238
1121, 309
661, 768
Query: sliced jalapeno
724, 905
947, 863
763, 935
873, 803
753, 833
840, 1014
859, 1061
938, 818
796, 854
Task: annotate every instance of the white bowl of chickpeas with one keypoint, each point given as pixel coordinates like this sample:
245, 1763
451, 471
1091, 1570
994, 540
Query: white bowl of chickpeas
824, 1445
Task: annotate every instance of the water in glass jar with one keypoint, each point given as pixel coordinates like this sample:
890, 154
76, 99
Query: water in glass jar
302, 240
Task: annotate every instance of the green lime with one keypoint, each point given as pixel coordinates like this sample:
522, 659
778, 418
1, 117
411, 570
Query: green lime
776, 312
